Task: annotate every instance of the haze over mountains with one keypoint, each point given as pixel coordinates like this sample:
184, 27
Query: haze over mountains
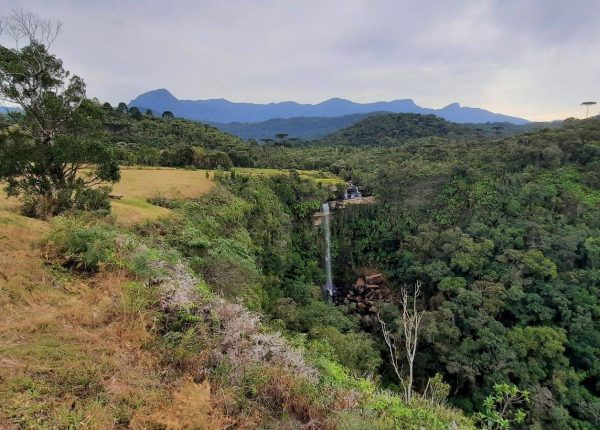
224, 111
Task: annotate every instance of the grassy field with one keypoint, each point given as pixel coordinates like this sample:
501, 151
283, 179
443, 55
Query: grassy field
61, 334
67, 341
139, 184
143, 183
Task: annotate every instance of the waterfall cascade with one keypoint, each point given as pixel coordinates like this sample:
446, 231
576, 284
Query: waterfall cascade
327, 233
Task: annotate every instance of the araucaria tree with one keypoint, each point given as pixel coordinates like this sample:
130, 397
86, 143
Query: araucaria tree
587, 107
51, 154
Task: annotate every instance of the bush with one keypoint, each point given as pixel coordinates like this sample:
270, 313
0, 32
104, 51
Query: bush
92, 199
138, 296
356, 351
81, 246
163, 202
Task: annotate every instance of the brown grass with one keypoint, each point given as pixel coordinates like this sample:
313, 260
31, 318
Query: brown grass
67, 345
21, 268
191, 407
139, 184
129, 211
143, 183
75, 354
66, 342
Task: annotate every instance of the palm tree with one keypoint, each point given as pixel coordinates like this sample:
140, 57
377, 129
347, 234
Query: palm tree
587, 107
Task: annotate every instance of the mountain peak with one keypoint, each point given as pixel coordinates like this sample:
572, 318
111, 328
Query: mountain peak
154, 99
454, 105
335, 100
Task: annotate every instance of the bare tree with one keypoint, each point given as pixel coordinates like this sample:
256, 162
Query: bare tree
587, 107
37, 73
390, 341
411, 322
21, 24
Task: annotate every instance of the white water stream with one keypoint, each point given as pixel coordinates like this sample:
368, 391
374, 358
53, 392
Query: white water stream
327, 232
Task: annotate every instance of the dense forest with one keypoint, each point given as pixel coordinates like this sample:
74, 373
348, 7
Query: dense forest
503, 235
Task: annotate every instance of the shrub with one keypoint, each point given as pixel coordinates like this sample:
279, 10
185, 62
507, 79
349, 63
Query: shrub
92, 199
164, 202
81, 246
356, 351
138, 296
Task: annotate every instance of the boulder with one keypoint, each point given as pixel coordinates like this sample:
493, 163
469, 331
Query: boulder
375, 279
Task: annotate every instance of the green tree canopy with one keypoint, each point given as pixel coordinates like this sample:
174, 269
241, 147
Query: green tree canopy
44, 150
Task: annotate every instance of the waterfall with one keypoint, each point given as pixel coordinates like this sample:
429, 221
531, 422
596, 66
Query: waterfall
327, 231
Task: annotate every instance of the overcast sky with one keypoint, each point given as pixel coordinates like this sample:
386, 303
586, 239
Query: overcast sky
537, 59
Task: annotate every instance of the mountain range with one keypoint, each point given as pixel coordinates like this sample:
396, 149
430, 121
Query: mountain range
221, 111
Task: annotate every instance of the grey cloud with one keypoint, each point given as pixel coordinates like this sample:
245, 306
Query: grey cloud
530, 58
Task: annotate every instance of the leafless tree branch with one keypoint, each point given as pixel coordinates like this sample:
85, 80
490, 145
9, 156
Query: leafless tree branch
21, 24
411, 322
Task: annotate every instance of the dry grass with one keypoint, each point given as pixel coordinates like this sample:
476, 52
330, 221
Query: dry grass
130, 211
144, 183
139, 184
64, 346
8, 203
21, 268
191, 407
66, 343
74, 352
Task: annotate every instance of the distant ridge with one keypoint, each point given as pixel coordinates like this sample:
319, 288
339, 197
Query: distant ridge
306, 128
224, 111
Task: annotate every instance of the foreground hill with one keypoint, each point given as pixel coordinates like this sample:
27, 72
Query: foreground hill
224, 111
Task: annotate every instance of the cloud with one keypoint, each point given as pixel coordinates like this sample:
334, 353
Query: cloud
531, 58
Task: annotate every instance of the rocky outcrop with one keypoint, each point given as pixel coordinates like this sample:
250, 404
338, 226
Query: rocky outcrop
364, 297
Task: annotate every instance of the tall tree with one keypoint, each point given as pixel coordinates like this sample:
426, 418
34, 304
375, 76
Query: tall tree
497, 129
135, 113
587, 107
122, 107
42, 153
